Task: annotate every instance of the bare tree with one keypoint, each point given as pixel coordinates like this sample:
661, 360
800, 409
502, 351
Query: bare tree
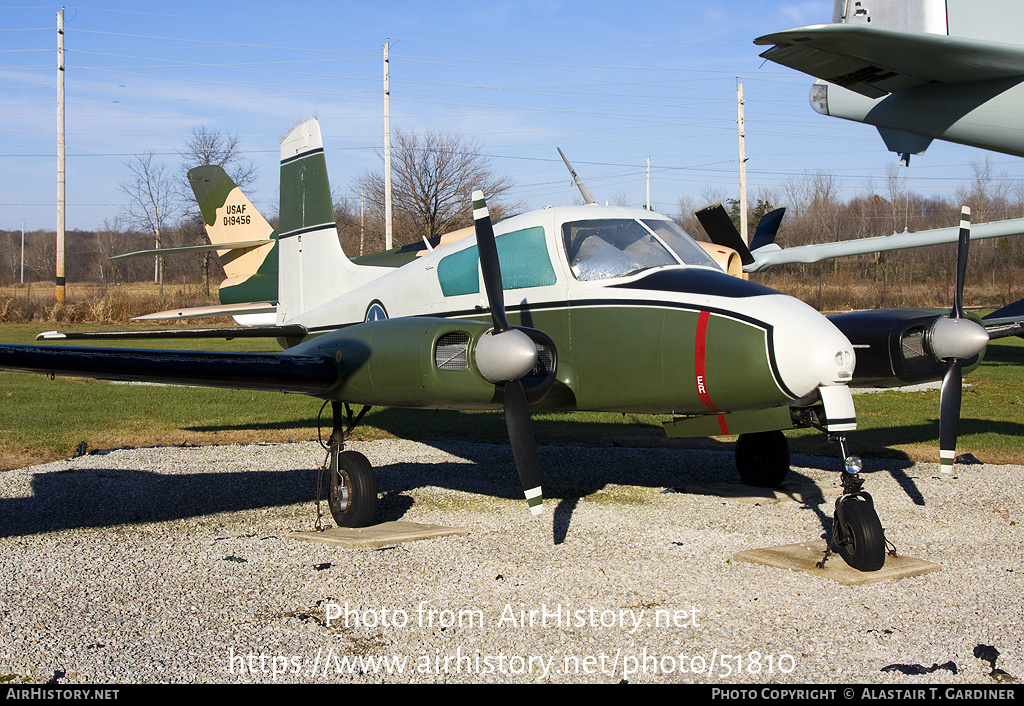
151, 201
208, 146
433, 177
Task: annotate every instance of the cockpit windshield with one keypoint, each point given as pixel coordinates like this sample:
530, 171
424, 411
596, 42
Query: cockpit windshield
615, 247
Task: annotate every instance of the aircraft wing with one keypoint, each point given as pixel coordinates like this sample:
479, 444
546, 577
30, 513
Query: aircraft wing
1008, 321
276, 372
875, 62
772, 255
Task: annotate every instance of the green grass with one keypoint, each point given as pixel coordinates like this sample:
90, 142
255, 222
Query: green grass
43, 419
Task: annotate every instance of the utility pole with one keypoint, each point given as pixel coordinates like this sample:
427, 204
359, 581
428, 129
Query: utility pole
60, 156
743, 164
387, 149
23, 251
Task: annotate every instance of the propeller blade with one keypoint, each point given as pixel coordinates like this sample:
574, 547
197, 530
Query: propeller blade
524, 444
956, 339
963, 245
949, 414
506, 356
489, 265
719, 227
767, 229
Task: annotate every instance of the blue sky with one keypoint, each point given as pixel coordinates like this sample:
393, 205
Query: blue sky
609, 84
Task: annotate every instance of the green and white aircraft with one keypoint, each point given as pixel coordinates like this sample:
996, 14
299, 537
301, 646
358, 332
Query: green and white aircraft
575, 308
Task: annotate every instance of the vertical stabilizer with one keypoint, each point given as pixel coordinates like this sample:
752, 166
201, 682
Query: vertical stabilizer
313, 268
231, 219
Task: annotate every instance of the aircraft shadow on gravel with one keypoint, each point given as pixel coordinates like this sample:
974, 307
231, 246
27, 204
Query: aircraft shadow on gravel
104, 497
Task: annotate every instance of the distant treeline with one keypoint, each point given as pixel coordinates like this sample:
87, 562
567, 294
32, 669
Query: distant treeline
86, 255
815, 214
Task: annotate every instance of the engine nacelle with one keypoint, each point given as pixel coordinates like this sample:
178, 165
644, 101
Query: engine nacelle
894, 346
726, 258
421, 362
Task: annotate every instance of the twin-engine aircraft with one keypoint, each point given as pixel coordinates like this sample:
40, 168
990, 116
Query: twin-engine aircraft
575, 308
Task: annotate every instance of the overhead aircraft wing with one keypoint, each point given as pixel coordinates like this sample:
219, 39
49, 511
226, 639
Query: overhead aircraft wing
276, 372
772, 255
875, 62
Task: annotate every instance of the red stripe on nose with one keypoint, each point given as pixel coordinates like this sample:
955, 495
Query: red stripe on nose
699, 360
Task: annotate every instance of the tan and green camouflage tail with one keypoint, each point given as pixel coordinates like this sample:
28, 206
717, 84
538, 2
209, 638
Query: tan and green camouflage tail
249, 253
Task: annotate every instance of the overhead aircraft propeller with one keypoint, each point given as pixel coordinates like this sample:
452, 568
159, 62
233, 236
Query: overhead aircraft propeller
955, 338
504, 357
717, 224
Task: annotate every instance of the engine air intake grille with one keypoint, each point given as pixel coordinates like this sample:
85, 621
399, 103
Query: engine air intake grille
451, 352
545, 360
913, 343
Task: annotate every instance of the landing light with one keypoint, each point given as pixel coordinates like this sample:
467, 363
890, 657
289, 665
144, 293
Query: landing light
844, 364
819, 97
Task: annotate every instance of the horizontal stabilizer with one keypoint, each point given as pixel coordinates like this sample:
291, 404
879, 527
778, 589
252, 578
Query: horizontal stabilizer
293, 330
209, 312
246, 245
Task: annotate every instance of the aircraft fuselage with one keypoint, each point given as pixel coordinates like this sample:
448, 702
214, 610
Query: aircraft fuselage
650, 325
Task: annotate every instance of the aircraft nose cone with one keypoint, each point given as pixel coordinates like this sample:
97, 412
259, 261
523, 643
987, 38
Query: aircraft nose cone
810, 351
505, 356
957, 338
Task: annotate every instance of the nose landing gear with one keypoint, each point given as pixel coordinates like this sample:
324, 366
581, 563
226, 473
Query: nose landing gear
856, 530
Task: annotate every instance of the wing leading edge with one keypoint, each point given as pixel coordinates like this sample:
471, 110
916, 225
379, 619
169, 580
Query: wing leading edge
875, 62
275, 372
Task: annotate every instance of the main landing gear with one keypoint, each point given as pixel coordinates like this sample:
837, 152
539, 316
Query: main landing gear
762, 459
352, 487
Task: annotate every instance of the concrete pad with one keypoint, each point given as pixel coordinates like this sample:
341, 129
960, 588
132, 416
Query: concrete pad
808, 558
800, 492
377, 536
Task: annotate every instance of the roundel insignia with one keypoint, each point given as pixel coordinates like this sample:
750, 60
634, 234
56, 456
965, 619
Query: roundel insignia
376, 312
337, 356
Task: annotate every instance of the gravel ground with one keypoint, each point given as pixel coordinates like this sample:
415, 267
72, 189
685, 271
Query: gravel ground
175, 565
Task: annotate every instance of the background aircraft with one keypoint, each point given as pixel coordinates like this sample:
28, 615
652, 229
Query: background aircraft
246, 246
918, 70
609, 309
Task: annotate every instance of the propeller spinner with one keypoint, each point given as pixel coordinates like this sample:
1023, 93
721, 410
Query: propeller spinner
955, 338
504, 357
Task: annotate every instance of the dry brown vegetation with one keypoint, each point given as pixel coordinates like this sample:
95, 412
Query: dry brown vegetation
90, 302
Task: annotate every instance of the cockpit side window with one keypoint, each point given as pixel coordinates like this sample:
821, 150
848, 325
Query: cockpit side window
685, 247
612, 247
